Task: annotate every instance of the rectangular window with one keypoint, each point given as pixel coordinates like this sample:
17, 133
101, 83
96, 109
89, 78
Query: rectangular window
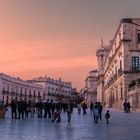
116, 93
115, 70
135, 63
121, 92
121, 64
138, 37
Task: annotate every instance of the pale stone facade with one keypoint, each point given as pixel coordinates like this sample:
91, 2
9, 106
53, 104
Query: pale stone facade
39, 88
55, 89
91, 87
134, 97
101, 54
121, 65
16, 88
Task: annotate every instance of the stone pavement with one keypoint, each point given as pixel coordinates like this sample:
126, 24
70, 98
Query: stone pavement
122, 127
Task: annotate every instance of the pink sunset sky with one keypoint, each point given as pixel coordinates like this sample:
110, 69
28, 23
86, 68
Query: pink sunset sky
57, 38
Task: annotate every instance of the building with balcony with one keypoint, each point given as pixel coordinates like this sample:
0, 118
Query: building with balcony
11, 87
120, 63
91, 87
38, 88
57, 90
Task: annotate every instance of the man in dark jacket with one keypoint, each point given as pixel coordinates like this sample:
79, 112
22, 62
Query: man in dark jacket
14, 109
100, 108
20, 109
47, 109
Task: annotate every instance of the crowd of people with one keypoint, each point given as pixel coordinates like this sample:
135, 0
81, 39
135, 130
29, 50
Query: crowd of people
22, 109
95, 110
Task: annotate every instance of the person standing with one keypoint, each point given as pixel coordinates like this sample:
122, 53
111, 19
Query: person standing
47, 109
71, 107
128, 107
52, 107
39, 108
20, 109
69, 115
125, 106
25, 105
32, 108
91, 108
14, 109
84, 107
79, 108
100, 108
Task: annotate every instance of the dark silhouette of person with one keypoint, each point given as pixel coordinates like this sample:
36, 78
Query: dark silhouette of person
47, 109
100, 108
91, 108
14, 109
39, 108
25, 105
20, 109
96, 114
128, 107
107, 117
84, 107
125, 106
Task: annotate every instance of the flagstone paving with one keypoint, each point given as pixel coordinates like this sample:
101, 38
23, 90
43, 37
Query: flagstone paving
122, 127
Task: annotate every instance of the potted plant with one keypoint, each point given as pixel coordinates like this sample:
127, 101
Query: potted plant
2, 109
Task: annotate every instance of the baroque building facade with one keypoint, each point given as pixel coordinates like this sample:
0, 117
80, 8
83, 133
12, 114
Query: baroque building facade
15, 88
39, 88
56, 90
118, 64
101, 57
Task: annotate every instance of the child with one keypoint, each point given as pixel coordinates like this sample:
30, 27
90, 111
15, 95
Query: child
59, 116
55, 116
107, 117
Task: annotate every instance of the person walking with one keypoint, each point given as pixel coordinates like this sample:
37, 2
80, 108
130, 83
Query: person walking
107, 117
96, 114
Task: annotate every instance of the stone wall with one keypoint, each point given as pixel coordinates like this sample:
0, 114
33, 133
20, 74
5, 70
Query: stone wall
134, 98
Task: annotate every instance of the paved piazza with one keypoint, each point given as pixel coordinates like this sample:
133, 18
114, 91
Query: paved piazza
122, 127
